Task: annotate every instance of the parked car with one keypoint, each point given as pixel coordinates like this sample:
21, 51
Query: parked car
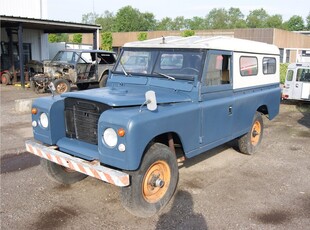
297, 82
194, 94
80, 67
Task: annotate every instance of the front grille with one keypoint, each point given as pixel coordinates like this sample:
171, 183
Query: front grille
81, 117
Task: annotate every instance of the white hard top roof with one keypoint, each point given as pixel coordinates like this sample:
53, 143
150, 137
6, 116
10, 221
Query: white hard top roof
197, 42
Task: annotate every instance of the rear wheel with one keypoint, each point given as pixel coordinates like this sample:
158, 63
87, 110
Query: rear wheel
82, 86
62, 86
250, 142
153, 184
61, 174
5, 79
103, 81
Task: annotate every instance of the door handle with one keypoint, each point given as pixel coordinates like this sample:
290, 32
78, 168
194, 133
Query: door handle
296, 85
229, 110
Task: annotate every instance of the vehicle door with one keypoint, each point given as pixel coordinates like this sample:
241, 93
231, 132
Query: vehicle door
300, 89
217, 101
289, 83
84, 67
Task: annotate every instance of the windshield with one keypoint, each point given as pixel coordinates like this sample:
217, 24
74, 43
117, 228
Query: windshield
170, 64
66, 56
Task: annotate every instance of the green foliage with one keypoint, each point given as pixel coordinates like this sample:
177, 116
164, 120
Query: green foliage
295, 23
89, 18
308, 21
217, 19
77, 38
58, 38
130, 19
107, 40
257, 18
142, 36
188, 33
106, 21
283, 69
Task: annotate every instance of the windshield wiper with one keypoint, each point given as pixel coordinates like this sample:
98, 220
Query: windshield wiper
165, 75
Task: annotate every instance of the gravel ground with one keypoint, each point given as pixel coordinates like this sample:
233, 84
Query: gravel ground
220, 189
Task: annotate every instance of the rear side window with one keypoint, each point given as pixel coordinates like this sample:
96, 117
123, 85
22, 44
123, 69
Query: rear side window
289, 76
248, 66
303, 75
269, 65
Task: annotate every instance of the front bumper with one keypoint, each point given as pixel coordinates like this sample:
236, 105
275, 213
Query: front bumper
93, 169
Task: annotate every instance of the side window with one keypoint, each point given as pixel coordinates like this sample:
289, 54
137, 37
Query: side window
248, 66
303, 75
218, 69
85, 57
289, 76
269, 65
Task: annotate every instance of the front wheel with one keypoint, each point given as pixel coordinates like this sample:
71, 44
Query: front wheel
250, 142
62, 86
153, 184
61, 174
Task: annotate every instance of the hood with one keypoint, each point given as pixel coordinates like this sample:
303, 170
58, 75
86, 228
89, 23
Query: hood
128, 96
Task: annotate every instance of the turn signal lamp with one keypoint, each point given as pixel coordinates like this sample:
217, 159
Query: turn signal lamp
34, 111
121, 132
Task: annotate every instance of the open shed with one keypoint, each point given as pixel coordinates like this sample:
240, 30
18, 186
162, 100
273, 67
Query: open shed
26, 38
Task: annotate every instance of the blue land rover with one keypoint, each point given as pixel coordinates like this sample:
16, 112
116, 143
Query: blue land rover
188, 95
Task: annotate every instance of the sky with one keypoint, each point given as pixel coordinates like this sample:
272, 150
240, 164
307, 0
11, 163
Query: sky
72, 10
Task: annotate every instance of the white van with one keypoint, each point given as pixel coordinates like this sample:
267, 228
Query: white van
297, 82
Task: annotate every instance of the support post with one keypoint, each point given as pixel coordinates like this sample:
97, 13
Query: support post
21, 54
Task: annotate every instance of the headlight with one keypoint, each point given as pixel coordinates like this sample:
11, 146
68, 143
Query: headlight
44, 120
110, 137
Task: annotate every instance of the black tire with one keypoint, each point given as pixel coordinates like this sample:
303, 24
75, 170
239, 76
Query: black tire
250, 142
61, 174
143, 198
103, 81
5, 79
62, 86
82, 86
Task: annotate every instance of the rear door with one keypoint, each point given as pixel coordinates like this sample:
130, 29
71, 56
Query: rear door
300, 86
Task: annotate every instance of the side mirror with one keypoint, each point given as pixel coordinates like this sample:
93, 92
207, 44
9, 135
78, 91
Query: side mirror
150, 99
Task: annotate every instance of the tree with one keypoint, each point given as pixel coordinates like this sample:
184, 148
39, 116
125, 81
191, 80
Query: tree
217, 19
196, 23
188, 33
142, 36
257, 18
89, 18
274, 21
165, 24
308, 21
235, 18
295, 23
58, 38
106, 21
148, 22
106, 41
178, 23
128, 19
77, 38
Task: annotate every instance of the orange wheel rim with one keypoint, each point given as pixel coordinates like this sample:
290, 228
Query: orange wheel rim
62, 87
255, 133
156, 181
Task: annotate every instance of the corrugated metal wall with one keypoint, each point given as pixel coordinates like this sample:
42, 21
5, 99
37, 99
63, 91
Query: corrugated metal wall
24, 8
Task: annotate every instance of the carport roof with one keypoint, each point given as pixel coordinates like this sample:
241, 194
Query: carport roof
48, 26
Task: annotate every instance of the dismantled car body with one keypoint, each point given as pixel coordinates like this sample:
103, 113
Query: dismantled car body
80, 67
166, 100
